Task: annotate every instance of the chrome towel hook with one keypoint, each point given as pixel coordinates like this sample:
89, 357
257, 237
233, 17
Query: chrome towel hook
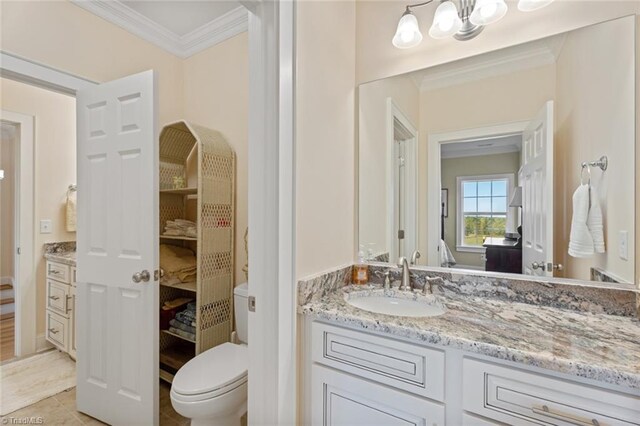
602, 164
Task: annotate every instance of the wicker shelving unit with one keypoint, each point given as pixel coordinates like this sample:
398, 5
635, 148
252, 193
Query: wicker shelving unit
207, 163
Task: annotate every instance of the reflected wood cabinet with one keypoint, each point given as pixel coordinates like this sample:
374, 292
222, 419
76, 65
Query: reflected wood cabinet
358, 378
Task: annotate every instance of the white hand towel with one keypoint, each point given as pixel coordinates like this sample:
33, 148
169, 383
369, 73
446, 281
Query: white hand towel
594, 222
71, 212
580, 239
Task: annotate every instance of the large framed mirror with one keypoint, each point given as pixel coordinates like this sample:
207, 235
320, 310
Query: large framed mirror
520, 160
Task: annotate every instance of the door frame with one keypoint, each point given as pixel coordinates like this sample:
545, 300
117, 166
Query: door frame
434, 172
272, 352
24, 235
393, 112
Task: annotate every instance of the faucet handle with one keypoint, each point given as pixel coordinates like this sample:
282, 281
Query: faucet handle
430, 281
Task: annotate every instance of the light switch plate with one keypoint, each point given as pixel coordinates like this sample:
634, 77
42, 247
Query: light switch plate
623, 245
46, 227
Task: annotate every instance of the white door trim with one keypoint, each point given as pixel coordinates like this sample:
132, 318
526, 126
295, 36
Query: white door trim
272, 327
272, 388
24, 235
394, 111
434, 142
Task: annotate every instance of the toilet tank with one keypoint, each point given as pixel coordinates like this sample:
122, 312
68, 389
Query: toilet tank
241, 309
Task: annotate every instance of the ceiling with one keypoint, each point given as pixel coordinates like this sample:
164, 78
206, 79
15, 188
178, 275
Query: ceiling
484, 146
181, 27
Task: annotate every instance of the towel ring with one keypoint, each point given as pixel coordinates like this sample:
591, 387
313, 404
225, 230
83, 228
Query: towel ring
588, 167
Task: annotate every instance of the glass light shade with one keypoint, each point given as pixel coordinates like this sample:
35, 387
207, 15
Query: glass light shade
446, 21
408, 33
487, 12
530, 5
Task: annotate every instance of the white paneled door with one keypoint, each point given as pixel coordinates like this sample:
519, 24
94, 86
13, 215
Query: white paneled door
536, 179
117, 247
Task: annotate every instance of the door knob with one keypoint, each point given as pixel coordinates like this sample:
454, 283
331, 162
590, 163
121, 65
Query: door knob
144, 276
539, 265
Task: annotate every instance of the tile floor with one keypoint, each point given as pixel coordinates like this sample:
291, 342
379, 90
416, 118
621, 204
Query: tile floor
60, 409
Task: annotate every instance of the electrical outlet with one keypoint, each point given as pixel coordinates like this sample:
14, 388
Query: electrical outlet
623, 245
46, 227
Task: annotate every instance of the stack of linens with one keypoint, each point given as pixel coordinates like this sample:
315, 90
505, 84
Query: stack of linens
181, 228
178, 264
184, 322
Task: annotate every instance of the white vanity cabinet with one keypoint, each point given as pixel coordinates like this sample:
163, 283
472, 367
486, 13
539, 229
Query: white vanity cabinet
360, 378
60, 303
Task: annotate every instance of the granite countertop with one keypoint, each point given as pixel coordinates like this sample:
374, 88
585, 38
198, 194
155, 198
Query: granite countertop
64, 252
595, 346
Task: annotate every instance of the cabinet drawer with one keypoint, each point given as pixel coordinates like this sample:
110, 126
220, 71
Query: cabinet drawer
58, 271
412, 368
57, 330
58, 297
339, 399
518, 397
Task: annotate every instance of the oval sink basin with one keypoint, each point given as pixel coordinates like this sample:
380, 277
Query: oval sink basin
398, 306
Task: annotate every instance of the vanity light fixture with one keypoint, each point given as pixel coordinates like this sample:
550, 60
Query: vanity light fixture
463, 21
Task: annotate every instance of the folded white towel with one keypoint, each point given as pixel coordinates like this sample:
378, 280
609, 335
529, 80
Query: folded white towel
594, 222
580, 239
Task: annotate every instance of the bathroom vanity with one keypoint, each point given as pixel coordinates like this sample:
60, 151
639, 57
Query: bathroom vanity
61, 296
486, 360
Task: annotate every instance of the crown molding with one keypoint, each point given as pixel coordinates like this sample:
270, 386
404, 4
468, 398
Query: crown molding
220, 29
491, 65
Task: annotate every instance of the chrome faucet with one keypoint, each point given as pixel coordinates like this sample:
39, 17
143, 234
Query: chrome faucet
414, 257
405, 281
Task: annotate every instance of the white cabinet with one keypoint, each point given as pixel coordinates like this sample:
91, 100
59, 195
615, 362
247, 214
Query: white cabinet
353, 377
341, 399
519, 397
60, 314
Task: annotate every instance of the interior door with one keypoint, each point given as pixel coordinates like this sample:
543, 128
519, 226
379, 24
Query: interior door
117, 248
537, 194
405, 197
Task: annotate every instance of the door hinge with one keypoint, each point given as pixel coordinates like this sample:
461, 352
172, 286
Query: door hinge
252, 303
401, 234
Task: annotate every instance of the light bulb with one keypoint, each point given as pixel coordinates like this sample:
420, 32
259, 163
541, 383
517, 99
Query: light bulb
408, 33
446, 21
446, 24
487, 12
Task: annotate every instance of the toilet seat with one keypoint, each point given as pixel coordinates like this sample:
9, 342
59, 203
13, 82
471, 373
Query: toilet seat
211, 374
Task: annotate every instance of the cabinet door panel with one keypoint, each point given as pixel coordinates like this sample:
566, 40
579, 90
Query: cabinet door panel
341, 399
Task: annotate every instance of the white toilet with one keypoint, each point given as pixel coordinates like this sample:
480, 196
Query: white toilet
211, 389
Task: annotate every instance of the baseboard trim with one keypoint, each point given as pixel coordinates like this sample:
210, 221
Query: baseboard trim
42, 344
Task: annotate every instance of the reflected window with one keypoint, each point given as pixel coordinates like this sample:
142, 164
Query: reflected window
484, 208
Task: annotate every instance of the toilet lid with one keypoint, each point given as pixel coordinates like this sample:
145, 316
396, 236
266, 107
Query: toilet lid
213, 369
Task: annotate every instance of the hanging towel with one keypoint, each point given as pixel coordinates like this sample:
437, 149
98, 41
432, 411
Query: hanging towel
446, 257
594, 222
71, 211
581, 239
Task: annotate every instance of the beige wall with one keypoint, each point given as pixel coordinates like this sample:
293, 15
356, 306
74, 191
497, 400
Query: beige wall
372, 183
325, 143
66, 37
509, 98
595, 117
55, 164
471, 166
8, 145
216, 95
377, 21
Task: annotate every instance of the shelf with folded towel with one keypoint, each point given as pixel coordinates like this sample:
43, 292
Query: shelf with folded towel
190, 286
177, 335
182, 191
178, 237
